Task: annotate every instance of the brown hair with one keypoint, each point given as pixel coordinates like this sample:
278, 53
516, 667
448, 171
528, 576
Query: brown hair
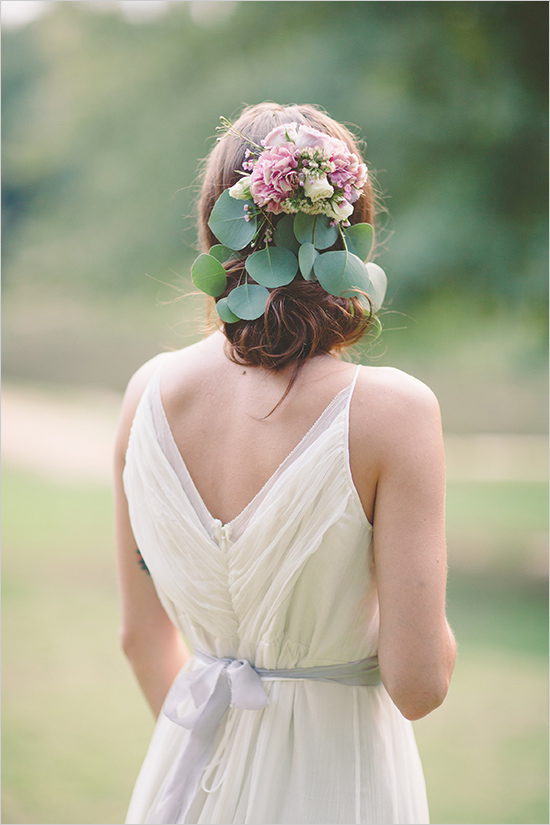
301, 319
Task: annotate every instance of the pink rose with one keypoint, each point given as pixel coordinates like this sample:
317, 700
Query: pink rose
313, 137
281, 135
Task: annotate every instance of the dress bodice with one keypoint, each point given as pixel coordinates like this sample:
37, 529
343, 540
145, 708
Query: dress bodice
287, 583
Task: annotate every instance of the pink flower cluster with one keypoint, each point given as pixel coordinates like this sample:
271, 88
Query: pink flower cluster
303, 170
274, 177
349, 175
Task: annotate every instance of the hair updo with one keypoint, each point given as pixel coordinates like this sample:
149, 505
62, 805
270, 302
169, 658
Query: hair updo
301, 319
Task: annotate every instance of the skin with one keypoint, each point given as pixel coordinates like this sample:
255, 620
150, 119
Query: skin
397, 464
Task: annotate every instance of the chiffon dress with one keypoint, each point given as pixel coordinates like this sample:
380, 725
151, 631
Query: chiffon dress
288, 583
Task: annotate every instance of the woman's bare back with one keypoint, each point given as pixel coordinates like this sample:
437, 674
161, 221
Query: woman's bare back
218, 412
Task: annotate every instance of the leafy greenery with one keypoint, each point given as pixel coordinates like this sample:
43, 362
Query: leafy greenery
341, 273
209, 275
225, 313
248, 301
378, 284
315, 229
222, 253
231, 223
307, 255
284, 234
239, 224
359, 239
273, 266
104, 123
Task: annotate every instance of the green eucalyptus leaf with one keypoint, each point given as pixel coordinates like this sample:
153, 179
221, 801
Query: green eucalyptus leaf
272, 266
306, 258
227, 221
341, 273
248, 301
315, 229
284, 233
209, 275
379, 282
222, 253
359, 238
303, 227
225, 313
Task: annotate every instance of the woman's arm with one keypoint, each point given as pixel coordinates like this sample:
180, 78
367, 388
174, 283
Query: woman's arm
417, 649
152, 644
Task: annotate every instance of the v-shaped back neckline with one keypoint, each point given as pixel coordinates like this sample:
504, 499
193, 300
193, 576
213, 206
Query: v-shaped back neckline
236, 526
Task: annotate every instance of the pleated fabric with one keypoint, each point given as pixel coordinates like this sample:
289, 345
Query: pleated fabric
288, 583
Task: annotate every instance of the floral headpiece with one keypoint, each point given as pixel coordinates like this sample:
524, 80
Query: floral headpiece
314, 180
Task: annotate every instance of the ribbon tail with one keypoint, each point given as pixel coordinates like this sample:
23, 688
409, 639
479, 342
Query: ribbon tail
175, 800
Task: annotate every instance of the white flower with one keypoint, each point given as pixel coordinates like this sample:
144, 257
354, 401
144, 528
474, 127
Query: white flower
318, 188
241, 189
339, 211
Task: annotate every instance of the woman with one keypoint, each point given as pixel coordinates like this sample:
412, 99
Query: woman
288, 510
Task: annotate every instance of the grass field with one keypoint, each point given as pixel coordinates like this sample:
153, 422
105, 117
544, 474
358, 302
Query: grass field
75, 727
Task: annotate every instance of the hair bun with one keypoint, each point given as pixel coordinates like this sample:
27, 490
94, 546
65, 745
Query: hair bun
301, 320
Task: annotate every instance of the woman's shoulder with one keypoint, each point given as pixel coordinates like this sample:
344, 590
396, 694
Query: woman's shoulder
134, 391
393, 406
137, 385
179, 368
140, 379
389, 386
170, 362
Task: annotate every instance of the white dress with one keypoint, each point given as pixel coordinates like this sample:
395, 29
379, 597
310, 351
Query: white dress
289, 583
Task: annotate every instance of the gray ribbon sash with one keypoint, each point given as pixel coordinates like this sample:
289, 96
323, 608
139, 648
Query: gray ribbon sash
221, 684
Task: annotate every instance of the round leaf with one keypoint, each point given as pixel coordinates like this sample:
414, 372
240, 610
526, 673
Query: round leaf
303, 227
306, 257
272, 266
341, 273
222, 253
379, 282
284, 233
315, 229
248, 301
227, 221
225, 313
359, 238
209, 275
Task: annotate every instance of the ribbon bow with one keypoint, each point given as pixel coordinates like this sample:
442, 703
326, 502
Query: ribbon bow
223, 684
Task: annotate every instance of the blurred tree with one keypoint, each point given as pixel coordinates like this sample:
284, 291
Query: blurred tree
105, 123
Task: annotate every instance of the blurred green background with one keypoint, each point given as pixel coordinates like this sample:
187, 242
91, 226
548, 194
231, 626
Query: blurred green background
108, 108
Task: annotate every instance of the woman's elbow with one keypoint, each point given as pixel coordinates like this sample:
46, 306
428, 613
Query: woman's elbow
418, 691
419, 684
129, 642
414, 702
